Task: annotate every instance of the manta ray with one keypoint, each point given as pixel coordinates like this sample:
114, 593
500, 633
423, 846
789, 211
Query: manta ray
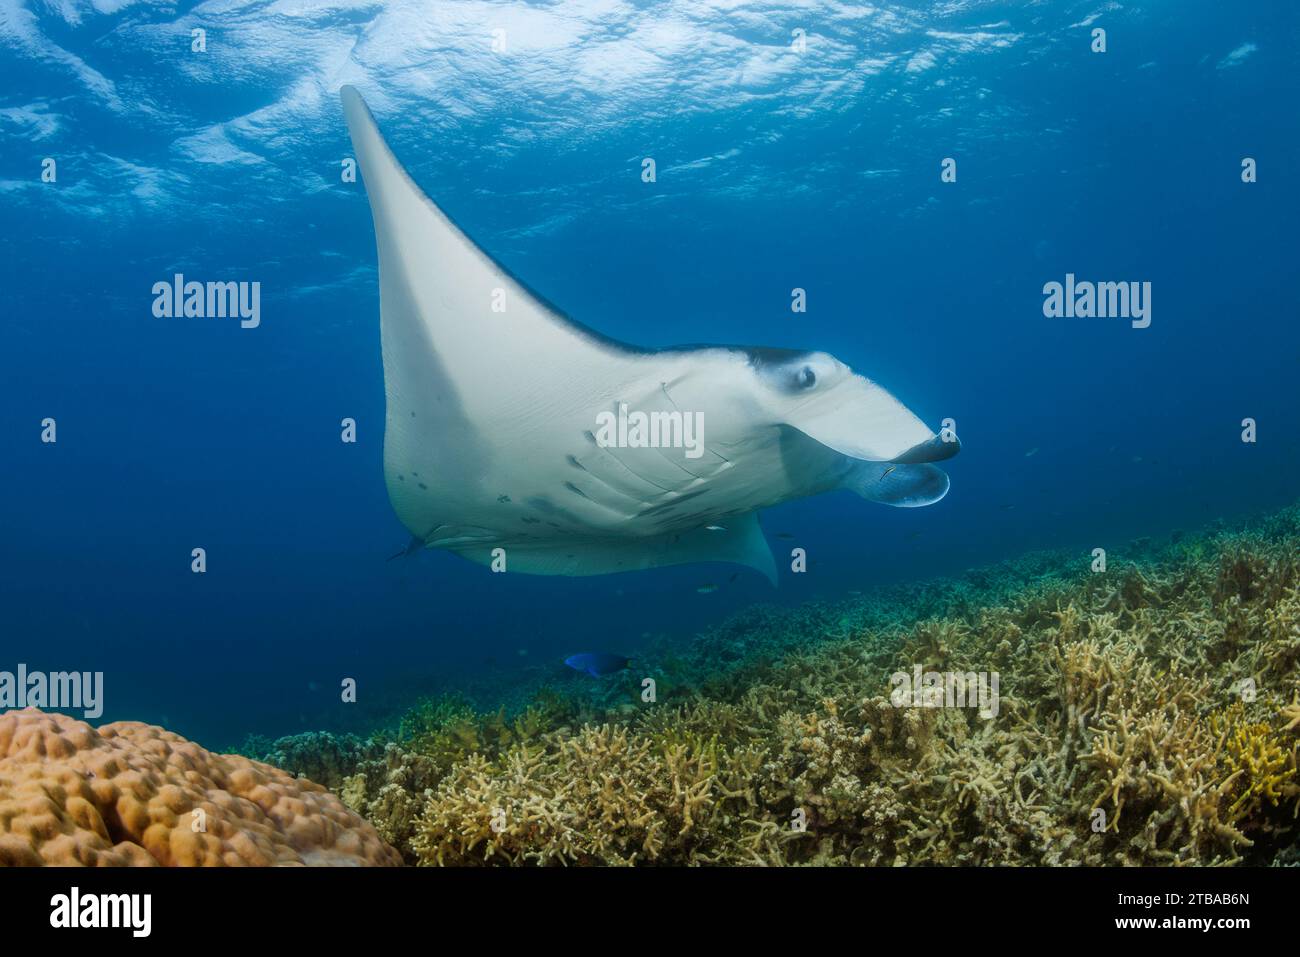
517, 437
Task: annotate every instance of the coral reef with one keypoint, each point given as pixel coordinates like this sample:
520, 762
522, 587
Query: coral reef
135, 794
1145, 715
320, 756
392, 786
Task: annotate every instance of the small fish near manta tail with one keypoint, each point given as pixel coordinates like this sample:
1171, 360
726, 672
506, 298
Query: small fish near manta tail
598, 663
490, 447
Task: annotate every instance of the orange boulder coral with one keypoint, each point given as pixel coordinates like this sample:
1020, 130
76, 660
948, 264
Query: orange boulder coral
135, 794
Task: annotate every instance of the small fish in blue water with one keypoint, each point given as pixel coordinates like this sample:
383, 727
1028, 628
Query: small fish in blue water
1032, 452
715, 528
886, 472
708, 589
784, 535
598, 663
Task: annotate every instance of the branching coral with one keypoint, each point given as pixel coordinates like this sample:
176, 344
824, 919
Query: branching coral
1260, 764
1142, 720
602, 795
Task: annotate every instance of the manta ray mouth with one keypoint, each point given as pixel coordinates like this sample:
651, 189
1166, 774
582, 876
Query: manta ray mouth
934, 449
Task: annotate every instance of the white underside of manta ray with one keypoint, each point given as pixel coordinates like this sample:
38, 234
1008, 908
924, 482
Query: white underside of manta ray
491, 438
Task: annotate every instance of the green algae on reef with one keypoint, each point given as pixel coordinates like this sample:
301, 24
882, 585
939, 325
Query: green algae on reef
1149, 714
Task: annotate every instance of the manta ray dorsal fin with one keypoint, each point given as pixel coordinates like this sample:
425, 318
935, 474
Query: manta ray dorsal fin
442, 296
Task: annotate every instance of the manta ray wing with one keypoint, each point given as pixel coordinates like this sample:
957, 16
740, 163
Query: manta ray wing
491, 400
741, 543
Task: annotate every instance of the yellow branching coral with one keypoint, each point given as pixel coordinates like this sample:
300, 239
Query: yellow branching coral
1259, 764
1291, 713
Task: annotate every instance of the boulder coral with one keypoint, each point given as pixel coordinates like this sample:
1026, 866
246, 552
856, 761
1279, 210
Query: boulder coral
134, 794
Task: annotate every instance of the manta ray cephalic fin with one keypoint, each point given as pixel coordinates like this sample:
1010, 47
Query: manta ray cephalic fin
903, 486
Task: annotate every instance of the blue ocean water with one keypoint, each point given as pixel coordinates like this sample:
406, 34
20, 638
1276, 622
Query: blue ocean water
776, 169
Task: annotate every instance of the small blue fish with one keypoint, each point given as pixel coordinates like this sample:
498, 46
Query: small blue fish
598, 663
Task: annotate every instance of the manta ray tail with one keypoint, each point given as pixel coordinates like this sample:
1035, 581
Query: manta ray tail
741, 543
414, 545
904, 486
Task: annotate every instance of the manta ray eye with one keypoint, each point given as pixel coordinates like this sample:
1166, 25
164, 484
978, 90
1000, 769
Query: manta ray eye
805, 378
